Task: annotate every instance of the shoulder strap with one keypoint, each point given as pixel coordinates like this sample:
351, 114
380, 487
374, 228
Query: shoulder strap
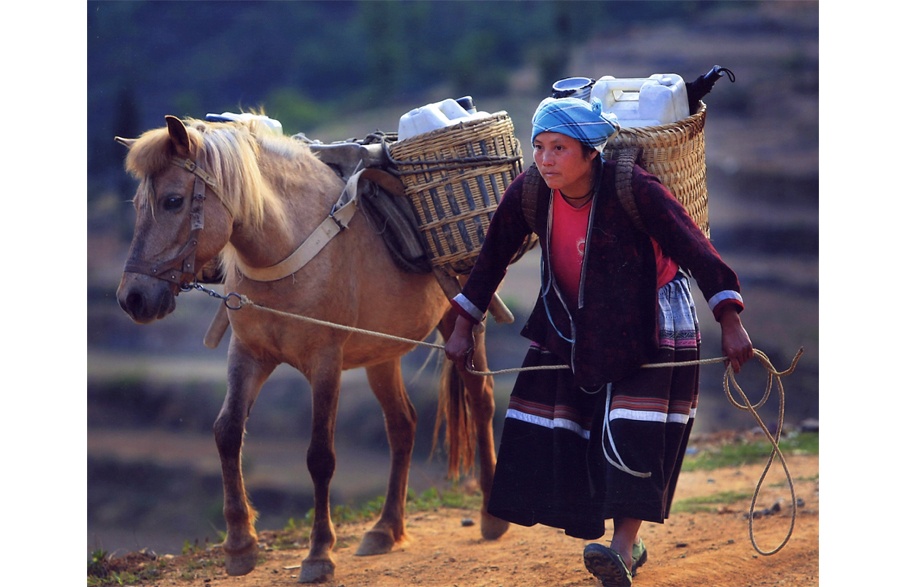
533, 183
625, 162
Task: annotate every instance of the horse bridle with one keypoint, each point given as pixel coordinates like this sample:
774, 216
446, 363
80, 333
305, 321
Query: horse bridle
181, 269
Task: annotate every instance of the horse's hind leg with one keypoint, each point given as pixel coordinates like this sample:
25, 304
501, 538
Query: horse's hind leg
480, 397
400, 421
479, 392
245, 378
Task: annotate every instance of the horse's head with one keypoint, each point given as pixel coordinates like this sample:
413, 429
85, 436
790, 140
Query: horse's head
179, 229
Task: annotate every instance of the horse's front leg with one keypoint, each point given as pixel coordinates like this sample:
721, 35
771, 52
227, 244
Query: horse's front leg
325, 381
386, 381
245, 378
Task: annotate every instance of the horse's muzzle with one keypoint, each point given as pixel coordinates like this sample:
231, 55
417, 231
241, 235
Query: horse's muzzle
145, 298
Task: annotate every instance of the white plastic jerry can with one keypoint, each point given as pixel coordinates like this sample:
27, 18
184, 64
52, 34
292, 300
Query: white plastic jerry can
658, 99
434, 116
421, 120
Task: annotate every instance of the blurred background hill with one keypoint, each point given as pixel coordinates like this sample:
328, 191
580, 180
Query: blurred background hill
339, 70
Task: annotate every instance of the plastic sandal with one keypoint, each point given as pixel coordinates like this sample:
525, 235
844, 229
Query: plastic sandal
638, 555
606, 564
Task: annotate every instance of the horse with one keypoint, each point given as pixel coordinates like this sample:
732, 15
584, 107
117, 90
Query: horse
232, 195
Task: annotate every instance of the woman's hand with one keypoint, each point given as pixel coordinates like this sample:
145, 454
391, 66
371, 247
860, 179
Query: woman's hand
461, 344
736, 343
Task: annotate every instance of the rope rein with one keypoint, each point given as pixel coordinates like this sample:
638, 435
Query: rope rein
729, 381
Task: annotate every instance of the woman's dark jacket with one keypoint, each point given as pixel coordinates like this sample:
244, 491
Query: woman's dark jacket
614, 325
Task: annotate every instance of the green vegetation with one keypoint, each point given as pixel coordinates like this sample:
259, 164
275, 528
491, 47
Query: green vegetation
147, 569
103, 571
709, 503
736, 454
745, 453
430, 499
97, 564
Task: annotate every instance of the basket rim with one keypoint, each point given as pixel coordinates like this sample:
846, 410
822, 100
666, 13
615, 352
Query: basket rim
420, 154
696, 118
465, 124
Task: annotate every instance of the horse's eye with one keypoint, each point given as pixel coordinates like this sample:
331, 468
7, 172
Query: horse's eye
173, 203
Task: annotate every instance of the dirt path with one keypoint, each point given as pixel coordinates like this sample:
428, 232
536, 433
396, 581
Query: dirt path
698, 548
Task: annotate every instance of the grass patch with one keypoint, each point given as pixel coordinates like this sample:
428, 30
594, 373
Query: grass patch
428, 500
103, 570
745, 452
143, 568
431, 499
709, 503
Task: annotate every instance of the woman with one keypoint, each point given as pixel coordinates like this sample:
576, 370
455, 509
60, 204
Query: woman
600, 438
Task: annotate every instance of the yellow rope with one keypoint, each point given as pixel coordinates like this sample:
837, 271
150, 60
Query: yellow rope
729, 380
245, 301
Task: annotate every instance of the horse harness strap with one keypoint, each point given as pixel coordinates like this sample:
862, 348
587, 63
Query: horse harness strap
181, 269
341, 213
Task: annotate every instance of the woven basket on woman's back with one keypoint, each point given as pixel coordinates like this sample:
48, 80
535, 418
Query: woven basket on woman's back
676, 154
455, 177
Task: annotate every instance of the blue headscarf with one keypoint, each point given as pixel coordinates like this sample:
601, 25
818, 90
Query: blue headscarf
575, 118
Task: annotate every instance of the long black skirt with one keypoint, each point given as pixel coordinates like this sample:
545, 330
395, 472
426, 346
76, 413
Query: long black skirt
571, 458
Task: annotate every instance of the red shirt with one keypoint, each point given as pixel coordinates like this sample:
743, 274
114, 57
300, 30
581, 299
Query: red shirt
567, 242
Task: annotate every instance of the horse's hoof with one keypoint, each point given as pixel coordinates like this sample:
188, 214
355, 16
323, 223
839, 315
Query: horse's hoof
375, 542
316, 571
492, 527
240, 564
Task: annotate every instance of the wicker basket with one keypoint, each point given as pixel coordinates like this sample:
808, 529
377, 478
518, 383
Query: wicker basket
676, 154
455, 177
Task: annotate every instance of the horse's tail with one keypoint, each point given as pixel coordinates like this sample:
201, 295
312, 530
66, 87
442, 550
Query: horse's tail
453, 414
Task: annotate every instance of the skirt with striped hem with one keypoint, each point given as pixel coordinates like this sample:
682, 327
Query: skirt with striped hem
571, 458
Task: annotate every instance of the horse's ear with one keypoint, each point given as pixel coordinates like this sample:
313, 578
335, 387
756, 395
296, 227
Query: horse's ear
126, 142
178, 134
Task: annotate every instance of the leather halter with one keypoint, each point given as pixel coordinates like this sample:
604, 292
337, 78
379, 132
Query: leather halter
181, 269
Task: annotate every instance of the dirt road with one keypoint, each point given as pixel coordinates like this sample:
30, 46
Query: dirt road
705, 544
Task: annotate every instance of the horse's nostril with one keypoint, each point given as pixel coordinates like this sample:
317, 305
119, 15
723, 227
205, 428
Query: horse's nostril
133, 304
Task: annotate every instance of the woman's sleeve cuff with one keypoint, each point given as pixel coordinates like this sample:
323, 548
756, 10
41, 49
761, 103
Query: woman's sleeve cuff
723, 299
467, 309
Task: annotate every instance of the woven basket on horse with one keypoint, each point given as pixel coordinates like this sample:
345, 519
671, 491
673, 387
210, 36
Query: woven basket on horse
676, 154
455, 177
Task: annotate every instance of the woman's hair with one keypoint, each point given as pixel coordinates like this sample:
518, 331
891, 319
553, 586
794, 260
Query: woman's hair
597, 164
586, 149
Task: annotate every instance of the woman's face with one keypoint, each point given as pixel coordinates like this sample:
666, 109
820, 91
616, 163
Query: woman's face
563, 163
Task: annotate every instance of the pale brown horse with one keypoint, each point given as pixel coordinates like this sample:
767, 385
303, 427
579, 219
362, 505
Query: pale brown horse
234, 191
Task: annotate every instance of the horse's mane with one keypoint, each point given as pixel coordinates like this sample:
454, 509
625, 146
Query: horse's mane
230, 153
